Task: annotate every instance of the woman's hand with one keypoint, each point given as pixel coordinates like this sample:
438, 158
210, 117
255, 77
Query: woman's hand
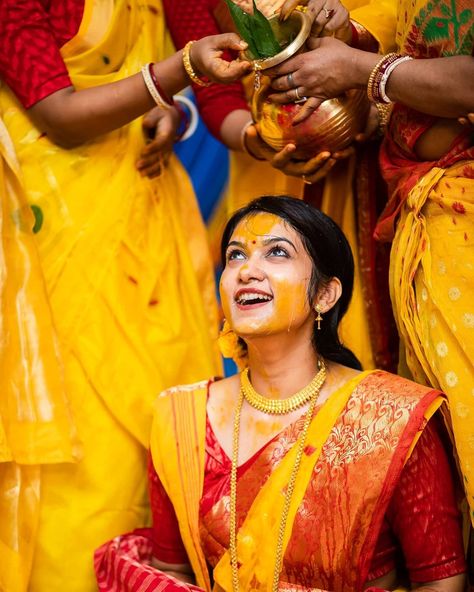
206, 57
322, 73
309, 171
329, 17
159, 128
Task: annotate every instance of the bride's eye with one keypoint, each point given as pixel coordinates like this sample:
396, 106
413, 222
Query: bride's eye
278, 251
235, 254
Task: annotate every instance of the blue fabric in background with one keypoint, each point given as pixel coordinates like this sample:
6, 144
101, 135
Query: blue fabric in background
207, 162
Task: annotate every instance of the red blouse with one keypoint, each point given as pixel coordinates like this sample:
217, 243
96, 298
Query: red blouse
31, 35
421, 529
187, 20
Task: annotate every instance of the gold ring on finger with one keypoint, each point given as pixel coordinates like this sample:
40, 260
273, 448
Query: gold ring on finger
299, 98
305, 180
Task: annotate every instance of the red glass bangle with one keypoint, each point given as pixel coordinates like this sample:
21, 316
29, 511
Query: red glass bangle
166, 98
184, 121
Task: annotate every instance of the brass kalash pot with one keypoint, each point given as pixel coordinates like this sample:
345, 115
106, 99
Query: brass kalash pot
332, 126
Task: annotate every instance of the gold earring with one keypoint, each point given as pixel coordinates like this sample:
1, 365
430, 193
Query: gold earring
319, 318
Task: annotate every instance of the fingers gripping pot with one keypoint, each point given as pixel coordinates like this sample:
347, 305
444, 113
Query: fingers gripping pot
332, 126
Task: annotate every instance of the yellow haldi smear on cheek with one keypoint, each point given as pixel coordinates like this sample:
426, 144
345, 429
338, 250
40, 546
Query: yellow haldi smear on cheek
291, 301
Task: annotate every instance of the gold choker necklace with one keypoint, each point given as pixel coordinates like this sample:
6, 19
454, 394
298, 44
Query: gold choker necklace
316, 385
281, 406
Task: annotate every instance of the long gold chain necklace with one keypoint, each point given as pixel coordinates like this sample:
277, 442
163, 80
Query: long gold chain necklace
280, 406
289, 489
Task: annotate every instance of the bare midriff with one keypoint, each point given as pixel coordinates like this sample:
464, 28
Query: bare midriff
437, 140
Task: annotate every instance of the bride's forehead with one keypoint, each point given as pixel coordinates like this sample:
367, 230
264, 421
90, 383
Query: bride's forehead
260, 225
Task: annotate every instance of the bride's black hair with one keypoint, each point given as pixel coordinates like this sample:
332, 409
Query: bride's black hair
330, 253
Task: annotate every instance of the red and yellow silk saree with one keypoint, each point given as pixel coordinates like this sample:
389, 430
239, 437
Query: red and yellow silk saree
356, 449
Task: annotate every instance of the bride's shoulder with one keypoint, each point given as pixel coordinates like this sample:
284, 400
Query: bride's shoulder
225, 389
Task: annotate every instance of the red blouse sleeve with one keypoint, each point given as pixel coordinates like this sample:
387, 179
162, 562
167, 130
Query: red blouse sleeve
192, 20
30, 38
166, 539
423, 519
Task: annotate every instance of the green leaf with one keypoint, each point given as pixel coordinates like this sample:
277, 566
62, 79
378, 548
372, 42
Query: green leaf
255, 30
263, 34
242, 22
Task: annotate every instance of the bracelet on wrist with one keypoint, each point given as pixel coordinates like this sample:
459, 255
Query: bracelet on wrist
189, 67
189, 117
161, 98
379, 76
385, 112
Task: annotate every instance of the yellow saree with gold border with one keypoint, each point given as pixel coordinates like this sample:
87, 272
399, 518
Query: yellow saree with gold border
108, 300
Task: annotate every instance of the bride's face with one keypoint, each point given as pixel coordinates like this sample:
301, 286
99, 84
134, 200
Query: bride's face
264, 285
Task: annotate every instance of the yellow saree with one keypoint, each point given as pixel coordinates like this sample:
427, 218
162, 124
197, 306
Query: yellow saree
117, 285
432, 263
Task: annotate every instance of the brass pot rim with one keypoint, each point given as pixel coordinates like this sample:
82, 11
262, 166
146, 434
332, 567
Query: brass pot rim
291, 48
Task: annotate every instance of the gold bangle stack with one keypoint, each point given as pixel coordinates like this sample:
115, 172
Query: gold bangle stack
372, 83
189, 67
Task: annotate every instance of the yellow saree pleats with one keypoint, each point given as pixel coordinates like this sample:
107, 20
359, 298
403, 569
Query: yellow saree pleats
432, 283
126, 278
35, 419
338, 202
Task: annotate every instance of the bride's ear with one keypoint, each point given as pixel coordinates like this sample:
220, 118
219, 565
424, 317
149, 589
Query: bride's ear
328, 295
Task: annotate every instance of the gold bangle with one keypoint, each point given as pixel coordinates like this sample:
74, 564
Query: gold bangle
189, 67
384, 111
372, 76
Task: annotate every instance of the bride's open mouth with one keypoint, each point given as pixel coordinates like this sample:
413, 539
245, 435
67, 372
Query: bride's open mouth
251, 298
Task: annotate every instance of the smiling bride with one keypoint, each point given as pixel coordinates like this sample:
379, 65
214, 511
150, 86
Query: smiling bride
301, 472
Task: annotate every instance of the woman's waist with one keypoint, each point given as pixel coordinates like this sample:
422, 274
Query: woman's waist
425, 138
438, 140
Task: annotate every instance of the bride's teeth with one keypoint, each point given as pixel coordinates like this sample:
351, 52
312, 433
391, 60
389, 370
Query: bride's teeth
244, 298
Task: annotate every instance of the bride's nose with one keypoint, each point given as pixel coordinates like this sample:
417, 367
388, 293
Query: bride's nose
251, 270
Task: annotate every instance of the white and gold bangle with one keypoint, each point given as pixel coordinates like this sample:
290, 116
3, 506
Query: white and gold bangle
156, 96
386, 76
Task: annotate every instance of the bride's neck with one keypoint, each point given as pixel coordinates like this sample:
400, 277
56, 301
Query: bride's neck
278, 370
